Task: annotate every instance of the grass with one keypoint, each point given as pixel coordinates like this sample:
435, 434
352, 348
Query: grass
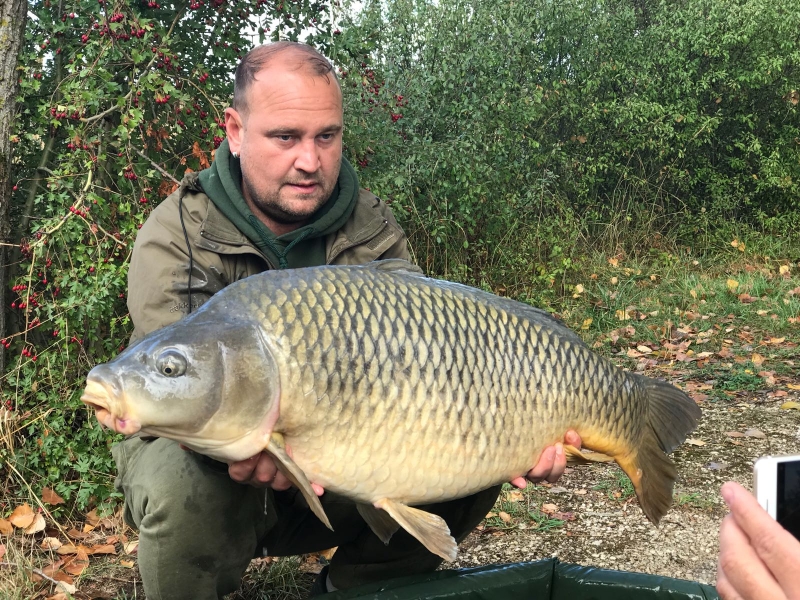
618, 487
275, 579
693, 500
521, 509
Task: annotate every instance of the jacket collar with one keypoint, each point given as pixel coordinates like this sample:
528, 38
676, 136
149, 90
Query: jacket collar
217, 233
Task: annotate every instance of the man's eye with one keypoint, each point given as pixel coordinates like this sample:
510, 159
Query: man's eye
284, 138
326, 136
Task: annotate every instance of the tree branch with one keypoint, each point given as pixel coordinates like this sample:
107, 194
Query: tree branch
155, 165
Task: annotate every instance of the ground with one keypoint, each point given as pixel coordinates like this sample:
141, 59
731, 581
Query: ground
611, 532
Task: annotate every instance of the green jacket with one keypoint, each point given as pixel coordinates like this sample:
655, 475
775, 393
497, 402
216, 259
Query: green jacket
158, 277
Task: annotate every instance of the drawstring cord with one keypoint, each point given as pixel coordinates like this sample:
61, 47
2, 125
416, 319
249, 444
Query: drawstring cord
283, 262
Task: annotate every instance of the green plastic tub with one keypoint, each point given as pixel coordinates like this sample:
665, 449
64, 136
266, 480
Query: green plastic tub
540, 580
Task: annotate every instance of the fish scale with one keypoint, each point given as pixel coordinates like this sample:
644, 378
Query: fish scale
390, 388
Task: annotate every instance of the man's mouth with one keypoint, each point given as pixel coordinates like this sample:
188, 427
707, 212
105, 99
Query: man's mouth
304, 187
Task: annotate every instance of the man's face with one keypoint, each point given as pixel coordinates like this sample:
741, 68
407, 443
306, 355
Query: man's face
289, 139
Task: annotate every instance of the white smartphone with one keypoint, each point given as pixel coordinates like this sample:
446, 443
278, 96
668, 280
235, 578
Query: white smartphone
777, 488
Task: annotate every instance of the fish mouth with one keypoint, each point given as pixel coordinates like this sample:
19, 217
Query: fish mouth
97, 396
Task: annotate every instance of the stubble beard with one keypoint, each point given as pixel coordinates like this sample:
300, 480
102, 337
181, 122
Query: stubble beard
277, 209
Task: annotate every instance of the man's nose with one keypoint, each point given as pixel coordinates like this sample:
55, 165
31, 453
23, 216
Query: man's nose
307, 159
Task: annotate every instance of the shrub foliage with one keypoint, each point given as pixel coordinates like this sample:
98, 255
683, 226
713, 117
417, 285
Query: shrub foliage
507, 136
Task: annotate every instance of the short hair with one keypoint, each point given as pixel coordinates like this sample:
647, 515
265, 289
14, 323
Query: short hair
259, 57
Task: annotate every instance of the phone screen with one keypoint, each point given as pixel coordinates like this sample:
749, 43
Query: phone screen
788, 513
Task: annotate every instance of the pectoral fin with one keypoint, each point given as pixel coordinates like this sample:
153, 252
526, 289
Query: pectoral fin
583, 457
431, 530
288, 467
383, 525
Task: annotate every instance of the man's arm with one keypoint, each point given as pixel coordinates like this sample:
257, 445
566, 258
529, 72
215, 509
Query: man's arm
158, 278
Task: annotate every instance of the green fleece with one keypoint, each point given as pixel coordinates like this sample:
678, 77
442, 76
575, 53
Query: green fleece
303, 247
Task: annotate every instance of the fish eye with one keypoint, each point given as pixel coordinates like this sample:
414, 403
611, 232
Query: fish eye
171, 363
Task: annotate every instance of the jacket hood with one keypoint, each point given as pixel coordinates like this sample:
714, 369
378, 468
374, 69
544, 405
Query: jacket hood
222, 182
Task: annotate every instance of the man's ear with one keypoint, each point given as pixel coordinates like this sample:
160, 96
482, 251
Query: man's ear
234, 128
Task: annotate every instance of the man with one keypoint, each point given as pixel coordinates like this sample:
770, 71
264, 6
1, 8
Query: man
278, 195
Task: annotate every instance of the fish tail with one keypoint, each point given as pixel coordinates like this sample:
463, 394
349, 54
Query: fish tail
671, 416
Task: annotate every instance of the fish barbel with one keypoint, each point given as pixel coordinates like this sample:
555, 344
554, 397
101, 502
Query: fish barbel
390, 388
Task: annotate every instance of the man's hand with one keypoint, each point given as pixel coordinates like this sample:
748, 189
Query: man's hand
261, 471
758, 559
551, 463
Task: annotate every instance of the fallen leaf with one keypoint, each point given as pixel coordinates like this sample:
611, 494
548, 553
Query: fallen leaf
746, 298
694, 442
779, 340
715, 466
92, 518
734, 434
790, 405
755, 433
50, 569
77, 535
783, 269
622, 315
6, 528
37, 525
644, 349
22, 516
2, 550
557, 489
586, 323
128, 564
613, 262
504, 516
564, 516
67, 549
50, 497
78, 563
132, 547
732, 285
51, 543
515, 496
793, 386
549, 509
757, 359
580, 492
489, 515
67, 587
102, 549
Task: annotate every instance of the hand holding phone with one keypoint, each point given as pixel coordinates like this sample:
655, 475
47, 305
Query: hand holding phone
758, 559
777, 489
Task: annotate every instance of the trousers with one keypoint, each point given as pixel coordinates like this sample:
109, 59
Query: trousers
199, 529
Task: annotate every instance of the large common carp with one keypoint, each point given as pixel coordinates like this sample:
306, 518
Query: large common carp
390, 388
